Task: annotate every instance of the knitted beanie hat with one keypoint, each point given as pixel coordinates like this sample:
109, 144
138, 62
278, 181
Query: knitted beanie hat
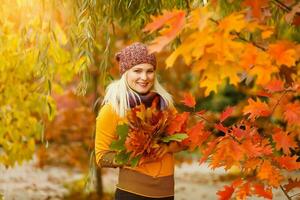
134, 54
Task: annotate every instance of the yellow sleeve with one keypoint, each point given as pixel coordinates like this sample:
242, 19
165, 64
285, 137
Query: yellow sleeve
106, 124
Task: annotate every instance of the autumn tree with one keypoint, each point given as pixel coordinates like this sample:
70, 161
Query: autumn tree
244, 42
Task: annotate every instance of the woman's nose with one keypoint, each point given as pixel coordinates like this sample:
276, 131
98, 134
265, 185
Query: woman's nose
144, 76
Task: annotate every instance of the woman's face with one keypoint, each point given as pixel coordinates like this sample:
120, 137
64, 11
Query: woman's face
140, 78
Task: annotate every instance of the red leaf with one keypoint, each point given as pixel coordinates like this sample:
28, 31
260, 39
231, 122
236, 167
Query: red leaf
197, 135
225, 114
275, 86
189, 100
283, 141
289, 163
256, 109
226, 193
222, 128
262, 192
173, 22
292, 184
178, 123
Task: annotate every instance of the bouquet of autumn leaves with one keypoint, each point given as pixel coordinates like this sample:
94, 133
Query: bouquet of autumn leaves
143, 132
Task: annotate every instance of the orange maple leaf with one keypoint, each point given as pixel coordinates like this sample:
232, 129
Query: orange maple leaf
269, 173
256, 6
197, 135
252, 150
209, 149
261, 191
178, 123
189, 100
228, 153
256, 109
284, 53
283, 141
275, 85
172, 21
226, 193
289, 163
292, 113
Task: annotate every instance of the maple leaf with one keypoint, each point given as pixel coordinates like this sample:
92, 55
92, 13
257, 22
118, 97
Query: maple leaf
228, 153
226, 113
222, 128
289, 163
269, 173
189, 100
178, 123
226, 193
251, 164
283, 52
256, 6
233, 22
283, 141
199, 18
292, 113
209, 149
292, 184
172, 21
256, 109
243, 191
197, 135
252, 150
261, 191
275, 85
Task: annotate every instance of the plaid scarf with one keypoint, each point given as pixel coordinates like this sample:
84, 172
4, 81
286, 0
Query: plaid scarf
147, 100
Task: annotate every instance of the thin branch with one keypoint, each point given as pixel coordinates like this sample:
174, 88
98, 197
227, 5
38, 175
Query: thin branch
240, 36
285, 193
282, 5
297, 194
279, 101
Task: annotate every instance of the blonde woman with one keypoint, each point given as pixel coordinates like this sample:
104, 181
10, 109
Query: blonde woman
138, 84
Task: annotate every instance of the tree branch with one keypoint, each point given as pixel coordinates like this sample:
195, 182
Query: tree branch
285, 193
240, 36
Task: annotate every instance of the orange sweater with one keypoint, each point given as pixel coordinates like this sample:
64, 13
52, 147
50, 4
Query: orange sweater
106, 124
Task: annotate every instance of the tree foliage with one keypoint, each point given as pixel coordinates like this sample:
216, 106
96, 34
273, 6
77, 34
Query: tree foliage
244, 44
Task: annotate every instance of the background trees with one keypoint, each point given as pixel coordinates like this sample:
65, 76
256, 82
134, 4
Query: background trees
241, 53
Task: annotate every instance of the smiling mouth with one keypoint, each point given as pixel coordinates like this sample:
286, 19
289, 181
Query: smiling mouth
142, 84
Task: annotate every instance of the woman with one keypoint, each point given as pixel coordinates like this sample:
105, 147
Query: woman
138, 84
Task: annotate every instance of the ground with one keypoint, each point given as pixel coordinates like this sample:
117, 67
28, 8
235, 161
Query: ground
26, 182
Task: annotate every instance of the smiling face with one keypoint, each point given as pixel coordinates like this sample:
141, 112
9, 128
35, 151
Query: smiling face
140, 78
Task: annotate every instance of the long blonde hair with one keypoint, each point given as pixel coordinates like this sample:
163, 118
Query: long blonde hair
118, 92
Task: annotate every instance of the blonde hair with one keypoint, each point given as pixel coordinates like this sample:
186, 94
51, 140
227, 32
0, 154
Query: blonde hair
118, 92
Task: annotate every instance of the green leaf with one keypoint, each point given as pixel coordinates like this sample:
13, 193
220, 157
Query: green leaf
135, 161
122, 158
117, 145
176, 137
122, 130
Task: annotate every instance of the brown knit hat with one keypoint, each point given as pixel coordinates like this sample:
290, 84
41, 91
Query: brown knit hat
134, 54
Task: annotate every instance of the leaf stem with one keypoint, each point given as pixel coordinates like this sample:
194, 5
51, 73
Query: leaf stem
279, 101
285, 193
